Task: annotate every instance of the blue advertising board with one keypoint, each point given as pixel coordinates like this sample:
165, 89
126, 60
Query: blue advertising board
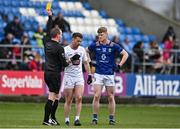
153, 85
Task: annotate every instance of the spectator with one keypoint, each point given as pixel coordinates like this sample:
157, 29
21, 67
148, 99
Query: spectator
126, 45
39, 36
139, 50
168, 46
169, 32
155, 57
62, 23
116, 39
39, 62
16, 51
24, 64
5, 52
25, 39
15, 27
32, 65
139, 55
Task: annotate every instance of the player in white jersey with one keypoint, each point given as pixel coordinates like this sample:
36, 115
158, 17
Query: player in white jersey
73, 77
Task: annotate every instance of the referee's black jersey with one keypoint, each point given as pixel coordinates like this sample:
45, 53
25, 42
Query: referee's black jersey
54, 52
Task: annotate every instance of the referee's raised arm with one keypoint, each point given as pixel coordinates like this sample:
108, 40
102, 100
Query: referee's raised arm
49, 25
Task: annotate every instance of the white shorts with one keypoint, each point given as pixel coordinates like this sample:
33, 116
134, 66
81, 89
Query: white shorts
71, 82
104, 80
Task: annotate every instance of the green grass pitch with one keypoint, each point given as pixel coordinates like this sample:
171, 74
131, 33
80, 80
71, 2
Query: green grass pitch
30, 115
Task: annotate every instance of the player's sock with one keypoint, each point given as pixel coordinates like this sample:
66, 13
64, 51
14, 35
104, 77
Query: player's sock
47, 108
76, 118
95, 117
67, 119
111, 117
54, 108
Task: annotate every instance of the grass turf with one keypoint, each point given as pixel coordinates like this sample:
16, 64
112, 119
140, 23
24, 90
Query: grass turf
30, 115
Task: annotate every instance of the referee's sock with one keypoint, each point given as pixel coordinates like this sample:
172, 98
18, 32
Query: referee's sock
48, 109
54, 108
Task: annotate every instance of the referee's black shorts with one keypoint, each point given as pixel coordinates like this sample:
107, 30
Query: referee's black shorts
53, 81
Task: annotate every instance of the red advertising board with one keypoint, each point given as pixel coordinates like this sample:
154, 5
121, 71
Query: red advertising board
21, 83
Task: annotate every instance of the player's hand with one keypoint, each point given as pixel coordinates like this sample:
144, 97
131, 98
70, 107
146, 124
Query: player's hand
119, 66
75, 59
89, 79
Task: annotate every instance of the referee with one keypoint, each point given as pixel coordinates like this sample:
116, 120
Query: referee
55, 61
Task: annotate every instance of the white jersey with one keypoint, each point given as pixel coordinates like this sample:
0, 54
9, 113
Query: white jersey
75, 70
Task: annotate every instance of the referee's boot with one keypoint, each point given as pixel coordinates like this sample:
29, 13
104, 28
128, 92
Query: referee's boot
46, 123
54, 122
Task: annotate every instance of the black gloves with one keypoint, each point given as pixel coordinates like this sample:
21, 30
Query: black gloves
119, 66
89, 79
75, 59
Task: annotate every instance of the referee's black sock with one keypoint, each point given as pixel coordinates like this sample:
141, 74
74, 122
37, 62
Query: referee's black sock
54, 108
48, 109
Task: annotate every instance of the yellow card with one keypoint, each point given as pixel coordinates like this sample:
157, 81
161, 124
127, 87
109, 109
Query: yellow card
48, 6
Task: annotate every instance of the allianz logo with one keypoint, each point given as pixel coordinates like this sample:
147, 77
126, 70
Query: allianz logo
150, 86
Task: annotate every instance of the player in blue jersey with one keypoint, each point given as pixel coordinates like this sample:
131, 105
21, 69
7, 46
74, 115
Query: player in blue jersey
104, 51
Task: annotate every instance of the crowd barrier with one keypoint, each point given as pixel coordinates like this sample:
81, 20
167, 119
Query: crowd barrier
127, 85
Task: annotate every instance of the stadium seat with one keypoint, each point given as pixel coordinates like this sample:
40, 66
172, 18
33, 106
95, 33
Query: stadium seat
136, 30
15, 3
152, 37
33, 42
78, 6
89, 30
128, 30
88, 21
30, 34
122, 30
122, 37
103, 22
111, 22
67, 36
137, 38
130, 38
145, 38
120, 22
96, 21
103, 14
87, 6
80, 21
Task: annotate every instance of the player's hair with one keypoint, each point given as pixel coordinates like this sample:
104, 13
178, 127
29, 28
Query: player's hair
56, 30
102, 29
77, 34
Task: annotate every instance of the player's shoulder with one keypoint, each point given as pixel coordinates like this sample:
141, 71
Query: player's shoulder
81, 48
113, 44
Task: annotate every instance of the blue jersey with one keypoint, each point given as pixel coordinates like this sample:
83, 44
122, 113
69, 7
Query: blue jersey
105, 56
